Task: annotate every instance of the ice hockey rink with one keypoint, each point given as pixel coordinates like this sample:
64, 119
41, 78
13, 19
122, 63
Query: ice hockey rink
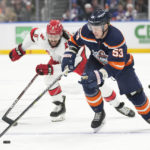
36, 131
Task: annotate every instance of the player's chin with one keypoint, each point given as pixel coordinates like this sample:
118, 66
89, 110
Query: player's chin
53, 43
98, 36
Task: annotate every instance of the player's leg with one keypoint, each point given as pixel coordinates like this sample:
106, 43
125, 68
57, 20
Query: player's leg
110, 96
141, 103
108, 93
94, 99
130, 85
58, 99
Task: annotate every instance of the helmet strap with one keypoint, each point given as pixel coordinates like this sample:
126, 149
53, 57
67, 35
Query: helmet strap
103, 30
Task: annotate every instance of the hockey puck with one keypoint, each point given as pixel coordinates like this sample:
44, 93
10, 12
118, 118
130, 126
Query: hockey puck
149, 86
6, 142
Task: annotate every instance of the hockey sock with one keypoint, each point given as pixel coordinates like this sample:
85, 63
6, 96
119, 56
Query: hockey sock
56, 94
55, 91
95, 101
141, 103
109, 95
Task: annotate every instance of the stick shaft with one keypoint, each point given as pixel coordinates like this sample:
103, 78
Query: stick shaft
5, 118
37, 99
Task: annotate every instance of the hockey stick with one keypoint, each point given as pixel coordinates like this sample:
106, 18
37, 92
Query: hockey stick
5, 118
37, 99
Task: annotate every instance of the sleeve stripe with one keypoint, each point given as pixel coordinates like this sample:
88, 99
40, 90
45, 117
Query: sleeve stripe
129, 61
112, 47
117, 65
73, 41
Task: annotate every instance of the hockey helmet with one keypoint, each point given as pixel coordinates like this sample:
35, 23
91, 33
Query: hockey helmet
54, 28
99, 17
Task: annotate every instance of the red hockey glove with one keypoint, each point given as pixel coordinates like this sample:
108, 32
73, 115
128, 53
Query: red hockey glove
43, 69
16, 53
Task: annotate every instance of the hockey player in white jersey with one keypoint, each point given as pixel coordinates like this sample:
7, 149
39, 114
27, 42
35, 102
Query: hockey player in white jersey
55, 41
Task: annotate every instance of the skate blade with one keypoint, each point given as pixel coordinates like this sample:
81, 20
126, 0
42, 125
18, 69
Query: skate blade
57, 119
100, 127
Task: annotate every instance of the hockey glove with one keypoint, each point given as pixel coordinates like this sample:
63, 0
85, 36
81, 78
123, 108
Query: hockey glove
44, 69
16, 53
68, 60
92, 79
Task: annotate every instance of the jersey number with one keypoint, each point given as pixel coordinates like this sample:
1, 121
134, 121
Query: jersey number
118, 53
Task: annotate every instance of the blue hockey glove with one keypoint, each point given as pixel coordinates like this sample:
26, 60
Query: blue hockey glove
68, 61
92, 79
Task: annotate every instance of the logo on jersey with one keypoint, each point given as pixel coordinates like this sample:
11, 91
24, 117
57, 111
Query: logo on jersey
100, 56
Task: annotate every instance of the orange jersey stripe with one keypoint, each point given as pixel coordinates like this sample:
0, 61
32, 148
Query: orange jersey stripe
116, 46
73, 41
97, 103
117, 65
95, 97
144, 112
129, 61
145, 109
87, 39
143, 106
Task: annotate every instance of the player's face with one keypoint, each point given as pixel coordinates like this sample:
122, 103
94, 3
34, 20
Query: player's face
98, 31
54, 39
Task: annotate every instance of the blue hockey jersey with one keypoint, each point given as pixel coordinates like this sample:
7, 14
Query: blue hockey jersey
111, 51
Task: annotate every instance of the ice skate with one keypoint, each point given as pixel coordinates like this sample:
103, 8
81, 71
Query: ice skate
58, 114
125, 110
98, 121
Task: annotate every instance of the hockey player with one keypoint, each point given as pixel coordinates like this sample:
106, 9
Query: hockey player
109, 58
55, 41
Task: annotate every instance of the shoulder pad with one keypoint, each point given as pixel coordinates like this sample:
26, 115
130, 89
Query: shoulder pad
86, 35
114, 39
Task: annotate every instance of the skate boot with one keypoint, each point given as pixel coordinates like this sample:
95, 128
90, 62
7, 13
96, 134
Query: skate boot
147, 120
125, 110
98, 121
58, 114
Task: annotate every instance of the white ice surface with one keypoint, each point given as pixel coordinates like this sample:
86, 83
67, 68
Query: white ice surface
36, 131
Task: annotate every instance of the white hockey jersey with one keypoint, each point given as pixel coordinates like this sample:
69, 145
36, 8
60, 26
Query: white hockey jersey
38, 36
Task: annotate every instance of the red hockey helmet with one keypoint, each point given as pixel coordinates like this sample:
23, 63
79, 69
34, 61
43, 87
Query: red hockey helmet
54, 27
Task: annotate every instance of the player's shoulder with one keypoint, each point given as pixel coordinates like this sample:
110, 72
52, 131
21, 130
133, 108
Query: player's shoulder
114, 38
85, 31
38, 33
86, 34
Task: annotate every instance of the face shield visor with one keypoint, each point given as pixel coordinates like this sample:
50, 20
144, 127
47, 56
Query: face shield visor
94, 28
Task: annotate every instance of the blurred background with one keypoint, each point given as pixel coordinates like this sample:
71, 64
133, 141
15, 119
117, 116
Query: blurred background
71, 10
18, 17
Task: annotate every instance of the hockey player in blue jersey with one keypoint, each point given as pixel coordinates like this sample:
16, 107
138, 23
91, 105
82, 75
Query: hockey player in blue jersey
109, 58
